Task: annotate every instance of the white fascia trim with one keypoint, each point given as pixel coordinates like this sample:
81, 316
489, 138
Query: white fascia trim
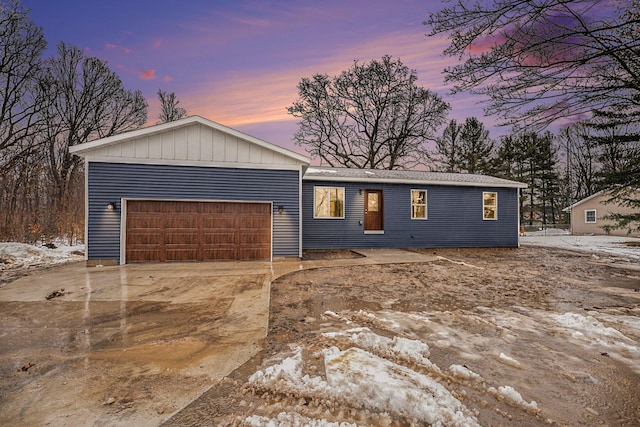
586, 199
414, 182
230, 165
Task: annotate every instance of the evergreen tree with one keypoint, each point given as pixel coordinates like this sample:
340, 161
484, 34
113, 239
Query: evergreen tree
616, 132
446, 157
532, 158
476, 148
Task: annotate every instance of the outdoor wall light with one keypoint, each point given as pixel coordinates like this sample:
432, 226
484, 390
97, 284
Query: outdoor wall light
280, 209
111, 206
360, 191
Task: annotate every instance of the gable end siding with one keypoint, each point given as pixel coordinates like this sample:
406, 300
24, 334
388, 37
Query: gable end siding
454, 218
111, 182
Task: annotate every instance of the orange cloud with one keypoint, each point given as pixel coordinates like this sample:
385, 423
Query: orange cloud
157, 43
147, 74
251, 97
167, 78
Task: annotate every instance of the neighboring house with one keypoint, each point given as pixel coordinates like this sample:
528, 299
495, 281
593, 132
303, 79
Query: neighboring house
196, 190
588, 215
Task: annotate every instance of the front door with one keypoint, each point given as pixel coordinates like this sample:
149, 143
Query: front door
373, 211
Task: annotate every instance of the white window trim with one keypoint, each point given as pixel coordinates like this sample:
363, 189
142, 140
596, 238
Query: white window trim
484, 206
426, 205
344, 206
586, 217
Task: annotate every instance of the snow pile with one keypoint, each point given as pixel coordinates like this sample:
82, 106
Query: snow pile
591, 331
382, 385
20, 255
460, 371
513, 396
509, 361
396, 348
359, 379
291, 419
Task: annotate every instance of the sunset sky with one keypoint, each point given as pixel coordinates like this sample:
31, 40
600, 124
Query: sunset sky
237, 62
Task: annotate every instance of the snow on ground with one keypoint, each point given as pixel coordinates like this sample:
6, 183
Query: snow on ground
21, 255
365, 380
395, 377
611, 245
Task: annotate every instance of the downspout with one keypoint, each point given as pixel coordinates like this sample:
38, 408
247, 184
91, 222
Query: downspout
301, 172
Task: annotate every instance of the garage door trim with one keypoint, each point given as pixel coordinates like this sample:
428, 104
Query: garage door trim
123, 217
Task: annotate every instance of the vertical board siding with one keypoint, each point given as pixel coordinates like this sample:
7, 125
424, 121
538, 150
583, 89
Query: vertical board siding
110, 182
454, 218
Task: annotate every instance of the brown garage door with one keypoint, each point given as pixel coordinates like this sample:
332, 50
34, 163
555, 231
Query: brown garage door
197, 231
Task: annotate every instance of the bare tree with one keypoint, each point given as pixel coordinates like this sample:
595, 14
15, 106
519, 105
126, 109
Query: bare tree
373, 115
538, 61
582, 164
85, 100
21, 46
169, 110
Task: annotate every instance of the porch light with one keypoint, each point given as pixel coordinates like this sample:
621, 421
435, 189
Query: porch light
360, 191
280, 209
111, 206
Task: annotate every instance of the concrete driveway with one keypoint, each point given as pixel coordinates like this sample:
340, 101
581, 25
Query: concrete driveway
126, 345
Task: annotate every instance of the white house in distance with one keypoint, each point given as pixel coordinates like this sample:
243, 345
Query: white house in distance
588, 216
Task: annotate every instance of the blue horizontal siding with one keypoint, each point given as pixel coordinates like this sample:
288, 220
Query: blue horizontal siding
454, 218
109, 182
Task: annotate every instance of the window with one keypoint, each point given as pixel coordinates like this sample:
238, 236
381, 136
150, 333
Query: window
590, 216
418, 204
328, 202
489, 206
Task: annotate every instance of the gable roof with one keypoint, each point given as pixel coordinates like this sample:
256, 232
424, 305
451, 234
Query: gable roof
406, 177
586, 199
192, 139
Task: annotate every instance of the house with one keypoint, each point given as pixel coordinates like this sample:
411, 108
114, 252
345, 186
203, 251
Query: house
407, 209
588, 215
197, 190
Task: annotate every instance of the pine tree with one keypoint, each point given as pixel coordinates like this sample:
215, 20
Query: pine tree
446, 157
476, 149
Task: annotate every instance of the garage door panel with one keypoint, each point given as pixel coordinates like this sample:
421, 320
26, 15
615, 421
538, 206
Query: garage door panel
182, 231
181, 254
252, 253
146, 254
213, 254
144, 239
182, 237
220, 238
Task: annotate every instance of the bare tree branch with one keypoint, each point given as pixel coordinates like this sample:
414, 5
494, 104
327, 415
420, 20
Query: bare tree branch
371, 116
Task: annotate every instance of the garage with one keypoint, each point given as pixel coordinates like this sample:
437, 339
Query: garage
161, 231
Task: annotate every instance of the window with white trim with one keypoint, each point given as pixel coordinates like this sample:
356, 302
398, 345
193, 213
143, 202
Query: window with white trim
489, 206
328, 202
590, 216
418, 204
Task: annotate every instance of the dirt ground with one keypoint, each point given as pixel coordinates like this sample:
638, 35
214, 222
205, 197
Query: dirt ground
488, 310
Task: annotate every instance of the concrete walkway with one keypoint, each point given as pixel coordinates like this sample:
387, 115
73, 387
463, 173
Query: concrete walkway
133, 344
369, 257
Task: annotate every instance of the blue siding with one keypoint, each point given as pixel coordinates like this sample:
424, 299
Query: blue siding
454, 218
110, 182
